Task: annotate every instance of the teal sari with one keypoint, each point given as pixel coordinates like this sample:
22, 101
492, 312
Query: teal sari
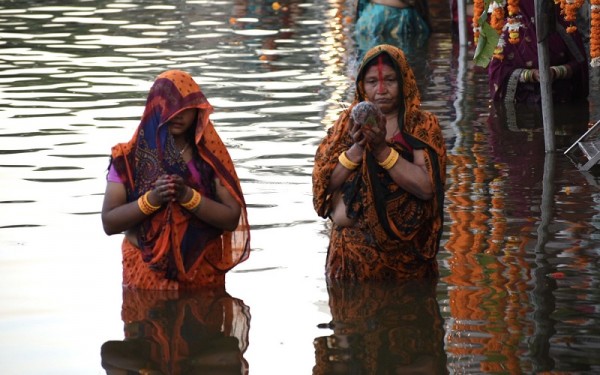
406, 28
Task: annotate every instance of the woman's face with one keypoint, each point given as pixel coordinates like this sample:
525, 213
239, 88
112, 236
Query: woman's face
381, 87
181, 122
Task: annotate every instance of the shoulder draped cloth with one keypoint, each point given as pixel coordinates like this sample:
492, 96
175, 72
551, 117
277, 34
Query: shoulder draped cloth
172, 240
394, 226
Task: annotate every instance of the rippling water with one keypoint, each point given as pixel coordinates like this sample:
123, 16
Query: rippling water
520, 257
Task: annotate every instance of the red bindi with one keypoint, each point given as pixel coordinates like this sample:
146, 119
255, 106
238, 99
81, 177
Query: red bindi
380, 88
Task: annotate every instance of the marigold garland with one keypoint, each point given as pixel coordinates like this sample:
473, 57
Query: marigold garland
477, 12
512, 22
497, 16
509, 19
569, 9
498, 51
595, 33
513, 26
513, 8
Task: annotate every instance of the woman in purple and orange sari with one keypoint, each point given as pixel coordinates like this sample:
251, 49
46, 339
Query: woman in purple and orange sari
382, 183
513, 71
174, 191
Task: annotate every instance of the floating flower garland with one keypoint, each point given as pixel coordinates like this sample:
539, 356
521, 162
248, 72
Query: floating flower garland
595, 33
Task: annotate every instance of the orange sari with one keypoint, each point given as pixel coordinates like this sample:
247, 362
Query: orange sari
176, 249
396, 235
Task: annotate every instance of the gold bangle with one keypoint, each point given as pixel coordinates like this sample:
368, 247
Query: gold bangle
145, 206
347, 163
391, 159
148, 201
194, 201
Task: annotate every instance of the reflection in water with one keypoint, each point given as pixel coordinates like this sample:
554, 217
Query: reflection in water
72, 78
175, 333
382, 328
503, 251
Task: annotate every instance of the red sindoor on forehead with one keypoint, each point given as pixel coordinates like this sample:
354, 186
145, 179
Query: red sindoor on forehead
380, 73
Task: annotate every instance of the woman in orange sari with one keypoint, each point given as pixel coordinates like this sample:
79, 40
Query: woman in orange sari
381, 182
174, 191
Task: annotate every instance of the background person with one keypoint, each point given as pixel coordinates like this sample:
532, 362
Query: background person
403, 23
513, 71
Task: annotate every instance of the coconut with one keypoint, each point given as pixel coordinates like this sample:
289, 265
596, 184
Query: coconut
366, 114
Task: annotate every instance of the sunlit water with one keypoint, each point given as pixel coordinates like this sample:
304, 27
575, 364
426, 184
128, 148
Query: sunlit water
519, 262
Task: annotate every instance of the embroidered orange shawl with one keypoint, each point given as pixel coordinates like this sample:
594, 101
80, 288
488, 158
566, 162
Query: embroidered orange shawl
172, 241
397, 235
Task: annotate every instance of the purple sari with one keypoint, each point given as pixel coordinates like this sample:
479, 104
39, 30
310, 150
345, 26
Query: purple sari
563, 48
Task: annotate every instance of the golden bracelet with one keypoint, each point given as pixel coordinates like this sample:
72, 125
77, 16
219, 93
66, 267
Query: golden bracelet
347, 163
194, 201
145, 206
391, 159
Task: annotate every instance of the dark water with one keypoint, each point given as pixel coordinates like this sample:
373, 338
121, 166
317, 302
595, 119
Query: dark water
519, 262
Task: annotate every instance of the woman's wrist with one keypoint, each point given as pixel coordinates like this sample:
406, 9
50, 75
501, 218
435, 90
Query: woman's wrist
382, 153
390, 160
560, 71
153, 198
354, 153
146, 206
193, 202
185, 195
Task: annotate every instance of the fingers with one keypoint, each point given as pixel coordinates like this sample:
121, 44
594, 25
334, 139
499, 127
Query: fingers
169, 187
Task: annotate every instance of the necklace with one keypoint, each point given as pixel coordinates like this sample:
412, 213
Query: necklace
183, 149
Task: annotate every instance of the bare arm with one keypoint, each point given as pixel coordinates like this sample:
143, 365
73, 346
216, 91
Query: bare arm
341, 173
412, 177
354, 153
118, 215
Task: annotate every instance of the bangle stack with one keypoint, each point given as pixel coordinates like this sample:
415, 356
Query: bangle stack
391, 160
145, 206
526, 75
194, 201
347, 163
560, 71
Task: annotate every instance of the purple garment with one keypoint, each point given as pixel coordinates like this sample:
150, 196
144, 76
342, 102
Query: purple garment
523, 55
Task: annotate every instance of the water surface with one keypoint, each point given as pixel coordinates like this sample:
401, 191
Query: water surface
519, 260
